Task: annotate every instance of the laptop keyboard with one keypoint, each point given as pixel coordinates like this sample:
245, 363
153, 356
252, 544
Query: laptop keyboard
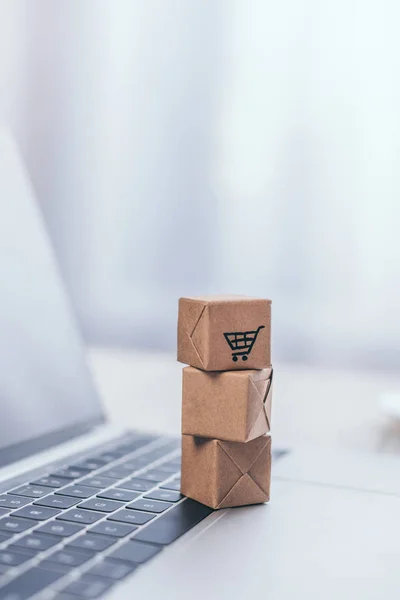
77, 530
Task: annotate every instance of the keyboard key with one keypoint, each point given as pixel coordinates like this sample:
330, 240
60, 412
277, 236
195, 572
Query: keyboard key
81, 516
88, 588
149, 505
4, 511
11, 558
136, 552
167, 495
91, 464
96, 543
139, 462
106, 506
53, 482
175, 523
36, 512
38, 542
98, 482
116, 473
9, 501
110, 569
172, 485
70, 557
32, 491
137, 485
3, 538
133, 517
111, 456
71, 473
168, 469
154, 475
78, 491
59, 529
28, 584
117, 494
54, 501
15, 525
118, 530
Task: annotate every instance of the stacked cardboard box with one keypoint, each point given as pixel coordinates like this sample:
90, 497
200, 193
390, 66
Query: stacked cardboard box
226, 399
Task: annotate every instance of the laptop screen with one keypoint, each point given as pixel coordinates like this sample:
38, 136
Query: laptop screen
46, 391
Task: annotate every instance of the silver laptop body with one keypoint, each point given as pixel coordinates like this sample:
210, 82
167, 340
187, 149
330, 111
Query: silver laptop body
331, 529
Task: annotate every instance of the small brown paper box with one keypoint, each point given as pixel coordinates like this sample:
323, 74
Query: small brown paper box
228, 405
222, 333
223, 474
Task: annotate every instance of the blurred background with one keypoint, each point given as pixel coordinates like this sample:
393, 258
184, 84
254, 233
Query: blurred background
239, 146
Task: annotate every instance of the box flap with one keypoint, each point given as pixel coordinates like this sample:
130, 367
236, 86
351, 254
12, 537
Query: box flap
190, 315
245, 491
259, 406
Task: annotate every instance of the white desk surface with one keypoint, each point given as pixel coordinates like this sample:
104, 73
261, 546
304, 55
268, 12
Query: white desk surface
311, 406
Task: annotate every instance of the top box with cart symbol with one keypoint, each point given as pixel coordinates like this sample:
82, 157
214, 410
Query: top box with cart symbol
224, 333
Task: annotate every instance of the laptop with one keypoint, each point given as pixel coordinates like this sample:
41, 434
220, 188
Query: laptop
91, 511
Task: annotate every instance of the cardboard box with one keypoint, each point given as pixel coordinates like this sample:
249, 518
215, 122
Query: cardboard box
222, 474
222, 333
228, 405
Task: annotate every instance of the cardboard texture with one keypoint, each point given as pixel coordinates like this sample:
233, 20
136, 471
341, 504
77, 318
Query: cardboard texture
223, 474
229, 405
223, 333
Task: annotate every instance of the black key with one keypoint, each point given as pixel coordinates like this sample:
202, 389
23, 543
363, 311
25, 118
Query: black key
167, 495
106, 506
78, 491
36, 512
37, 542
149, 505
117, 494
111, 456
134, 464
88, 588
59, 568
30, 551
172, 485
28, 584
96, 543
60, 529
71, 473
133, 517
70, 557
54, 501
168, 469
9, 501
53, 482
98, 482
133, 445
15, 525
116, 473
91, 464
136, 552
137, 485
110, 569
81, 516
118, 530
154, 475
139, 462
11, 558
175, 523
32, 491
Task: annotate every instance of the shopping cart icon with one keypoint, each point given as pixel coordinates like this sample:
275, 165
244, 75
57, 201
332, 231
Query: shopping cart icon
242, 342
